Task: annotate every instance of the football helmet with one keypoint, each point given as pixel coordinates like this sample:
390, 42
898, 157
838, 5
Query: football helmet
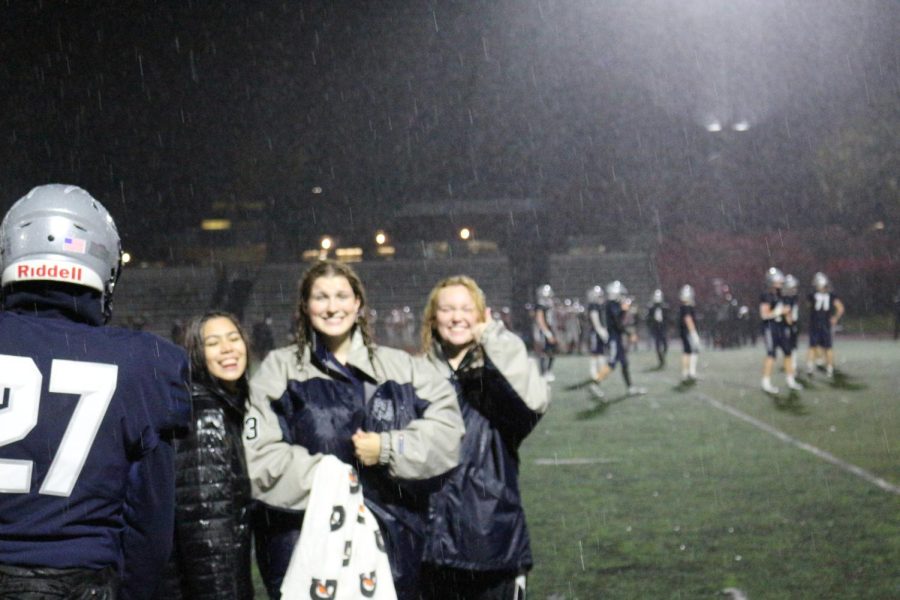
774, 277
61, 233
790, 285
595, 295
615, 290
686, 294
657, 297
820, 281
544, 294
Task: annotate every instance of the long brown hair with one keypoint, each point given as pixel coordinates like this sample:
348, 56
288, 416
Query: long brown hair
429, 316
196, 349
304, 332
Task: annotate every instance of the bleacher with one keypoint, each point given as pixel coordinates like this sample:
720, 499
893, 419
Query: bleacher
155, 297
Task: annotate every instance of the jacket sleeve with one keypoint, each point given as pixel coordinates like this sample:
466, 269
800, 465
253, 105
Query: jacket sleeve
280, 473
149, 520
149, 508
428, 446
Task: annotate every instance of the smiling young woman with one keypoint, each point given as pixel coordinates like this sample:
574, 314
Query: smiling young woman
335, 392
477, 544
211, 559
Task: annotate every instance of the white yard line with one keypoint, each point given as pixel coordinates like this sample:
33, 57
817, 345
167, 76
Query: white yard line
573, 461
827, 457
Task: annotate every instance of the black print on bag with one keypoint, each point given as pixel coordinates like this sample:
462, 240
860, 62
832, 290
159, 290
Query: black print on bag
354, 482
361, 514
337, 517
323, 590
348, 546
379, 541
367, 584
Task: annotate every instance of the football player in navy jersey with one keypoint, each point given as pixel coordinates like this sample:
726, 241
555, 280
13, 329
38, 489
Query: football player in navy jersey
545, 325
825, 310
86, 463
617, 305
690, 339
792, 315
598, 335
773, 311
658, 323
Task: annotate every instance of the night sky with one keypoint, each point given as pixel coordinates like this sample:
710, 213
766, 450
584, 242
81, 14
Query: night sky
614, 114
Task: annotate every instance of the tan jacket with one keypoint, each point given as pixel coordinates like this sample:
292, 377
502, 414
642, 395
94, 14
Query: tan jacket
281, 473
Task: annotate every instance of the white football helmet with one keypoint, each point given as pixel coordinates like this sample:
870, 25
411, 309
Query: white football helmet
657, 297
615, 290
544, 295
595, 295
820, 281
686, 294
774, 277
61, 233
790, 285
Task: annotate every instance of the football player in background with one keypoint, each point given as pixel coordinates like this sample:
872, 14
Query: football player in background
545, 325
598, 336
86, 462
617, 305
690, 339
773, 313
825, 311
657, 324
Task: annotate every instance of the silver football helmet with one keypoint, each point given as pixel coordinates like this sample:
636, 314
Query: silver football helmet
61, 233
820, 281
595, 295
657, 297
774, 277
686, 294
615, 290
544, 294
790, 285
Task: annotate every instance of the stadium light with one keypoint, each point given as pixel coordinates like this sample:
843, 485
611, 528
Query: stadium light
126, 258
465, 233
326, 243
380, 238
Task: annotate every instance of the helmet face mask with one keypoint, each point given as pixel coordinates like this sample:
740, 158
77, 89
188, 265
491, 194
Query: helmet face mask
61, 233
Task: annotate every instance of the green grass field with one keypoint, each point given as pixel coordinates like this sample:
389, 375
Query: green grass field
670, 495
677, 495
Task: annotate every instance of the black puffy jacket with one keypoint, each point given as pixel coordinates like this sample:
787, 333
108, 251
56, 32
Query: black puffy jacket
211, 558
476, 520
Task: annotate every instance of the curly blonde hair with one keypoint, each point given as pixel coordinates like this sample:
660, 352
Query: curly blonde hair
429, 316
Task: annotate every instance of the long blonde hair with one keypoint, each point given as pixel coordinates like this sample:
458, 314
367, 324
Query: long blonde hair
304, 332
429, 316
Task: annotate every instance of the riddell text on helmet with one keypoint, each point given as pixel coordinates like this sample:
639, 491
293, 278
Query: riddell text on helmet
50, 272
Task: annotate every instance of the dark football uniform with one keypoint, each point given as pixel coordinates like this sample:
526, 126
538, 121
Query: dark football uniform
657, 324
596, 345
821, 310
685, 311
85, 464
775, 332
615, 324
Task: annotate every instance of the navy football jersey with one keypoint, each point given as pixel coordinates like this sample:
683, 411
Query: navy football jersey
821, 308
775, 302
685, 311
615, 319
596, 309
81, 406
